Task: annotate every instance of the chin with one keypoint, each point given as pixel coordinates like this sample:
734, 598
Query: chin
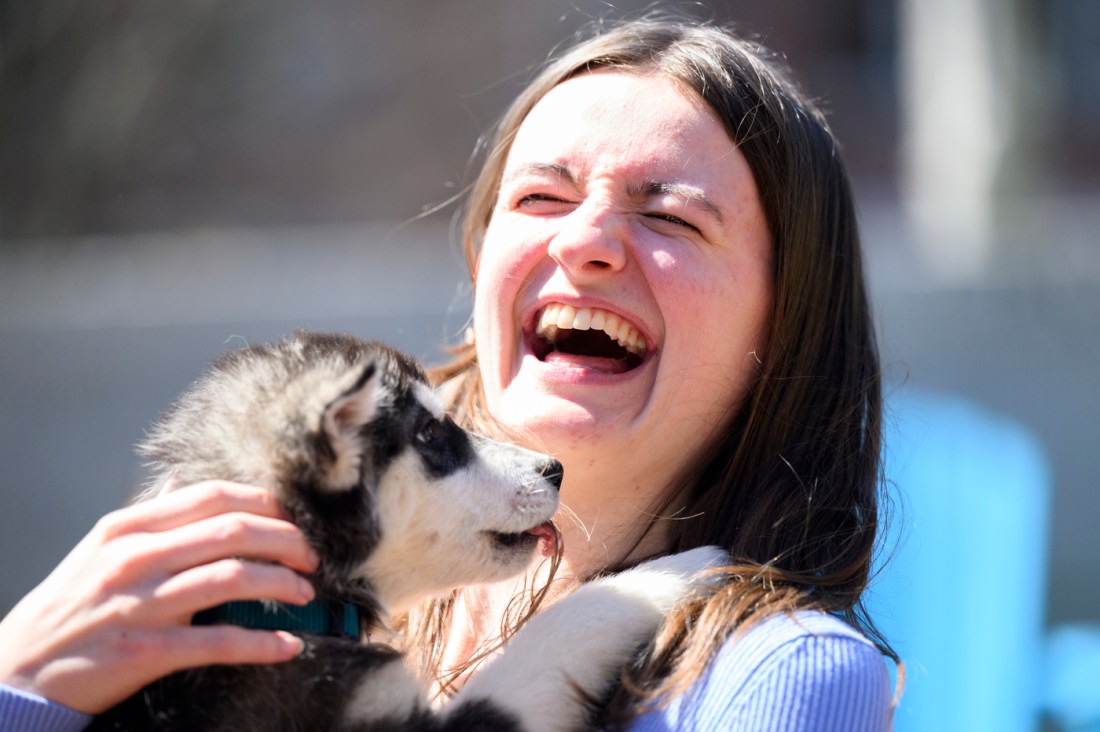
566, 429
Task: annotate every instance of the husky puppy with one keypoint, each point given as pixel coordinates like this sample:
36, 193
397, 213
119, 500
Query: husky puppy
401, 505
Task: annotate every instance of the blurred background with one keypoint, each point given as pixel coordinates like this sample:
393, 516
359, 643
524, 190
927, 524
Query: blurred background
182, 177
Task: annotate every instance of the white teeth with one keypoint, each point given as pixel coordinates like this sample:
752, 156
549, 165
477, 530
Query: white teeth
549, 317
558, 316
565, 316
626, 331
583, 319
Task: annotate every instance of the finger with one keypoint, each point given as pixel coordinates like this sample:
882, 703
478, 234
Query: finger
139, 561
227, 580
230, 535
127, 661
229, 644
190, 504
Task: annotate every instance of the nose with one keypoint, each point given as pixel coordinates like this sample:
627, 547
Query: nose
553, 472
591, 240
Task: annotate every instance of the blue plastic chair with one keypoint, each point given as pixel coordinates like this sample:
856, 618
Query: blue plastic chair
961, 596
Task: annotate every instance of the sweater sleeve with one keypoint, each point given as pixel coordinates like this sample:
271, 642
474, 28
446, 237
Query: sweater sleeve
21, 711
813, 674
813, 685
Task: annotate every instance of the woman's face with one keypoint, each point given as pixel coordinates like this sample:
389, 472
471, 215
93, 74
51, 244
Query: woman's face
624, 283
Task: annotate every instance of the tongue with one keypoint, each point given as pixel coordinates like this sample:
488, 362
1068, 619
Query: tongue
591, 350
549, 535
592, 363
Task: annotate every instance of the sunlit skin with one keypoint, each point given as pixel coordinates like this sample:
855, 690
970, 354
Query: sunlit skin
116, 613
623, 192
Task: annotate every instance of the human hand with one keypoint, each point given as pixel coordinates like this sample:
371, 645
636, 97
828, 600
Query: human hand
116, 613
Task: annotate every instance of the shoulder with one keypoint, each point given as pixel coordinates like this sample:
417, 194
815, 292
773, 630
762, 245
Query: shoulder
24, 712
798, 673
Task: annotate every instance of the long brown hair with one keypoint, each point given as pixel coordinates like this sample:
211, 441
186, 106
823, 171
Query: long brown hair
791, 484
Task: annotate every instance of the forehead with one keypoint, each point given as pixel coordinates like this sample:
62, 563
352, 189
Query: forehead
427, 397
645, 123
403, 382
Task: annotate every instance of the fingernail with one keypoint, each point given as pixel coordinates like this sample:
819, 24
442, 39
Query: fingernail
305, 590
294, 645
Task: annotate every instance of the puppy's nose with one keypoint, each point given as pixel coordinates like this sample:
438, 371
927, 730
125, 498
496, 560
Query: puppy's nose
553, 472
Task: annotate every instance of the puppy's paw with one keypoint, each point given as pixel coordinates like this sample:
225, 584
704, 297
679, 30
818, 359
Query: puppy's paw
690, 563
671, 579
572, 652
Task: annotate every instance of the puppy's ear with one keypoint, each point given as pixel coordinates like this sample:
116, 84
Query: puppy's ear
342, 423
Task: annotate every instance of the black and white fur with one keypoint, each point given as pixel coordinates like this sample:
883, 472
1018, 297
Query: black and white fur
400, 504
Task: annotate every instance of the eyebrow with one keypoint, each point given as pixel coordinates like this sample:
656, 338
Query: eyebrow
692, 194
553, 169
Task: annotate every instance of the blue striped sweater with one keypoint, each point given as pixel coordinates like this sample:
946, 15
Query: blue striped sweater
809, 673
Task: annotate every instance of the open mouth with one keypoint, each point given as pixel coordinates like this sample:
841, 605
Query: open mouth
588, 337
546, 533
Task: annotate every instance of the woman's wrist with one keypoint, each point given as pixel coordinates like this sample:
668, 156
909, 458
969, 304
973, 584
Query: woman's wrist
23, 711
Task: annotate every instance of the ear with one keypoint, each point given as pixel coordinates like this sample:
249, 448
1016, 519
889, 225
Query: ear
342, 423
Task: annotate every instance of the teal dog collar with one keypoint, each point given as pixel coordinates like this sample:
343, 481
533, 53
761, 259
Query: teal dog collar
323, 618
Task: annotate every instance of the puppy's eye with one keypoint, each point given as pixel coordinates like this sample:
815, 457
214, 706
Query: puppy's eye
429, 432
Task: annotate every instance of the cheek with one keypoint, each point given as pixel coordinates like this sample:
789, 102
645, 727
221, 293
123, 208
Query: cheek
717, 319
682, 287
510, 262
498, 270
736, 318
488, 288
495, 294
664, 262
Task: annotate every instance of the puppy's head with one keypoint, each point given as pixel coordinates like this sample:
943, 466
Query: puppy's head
399, 501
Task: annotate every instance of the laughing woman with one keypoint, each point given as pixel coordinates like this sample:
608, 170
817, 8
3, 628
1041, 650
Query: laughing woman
669, 299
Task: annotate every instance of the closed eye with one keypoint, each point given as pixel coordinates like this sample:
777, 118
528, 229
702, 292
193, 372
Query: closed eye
543, 204
532, 198
676, 220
